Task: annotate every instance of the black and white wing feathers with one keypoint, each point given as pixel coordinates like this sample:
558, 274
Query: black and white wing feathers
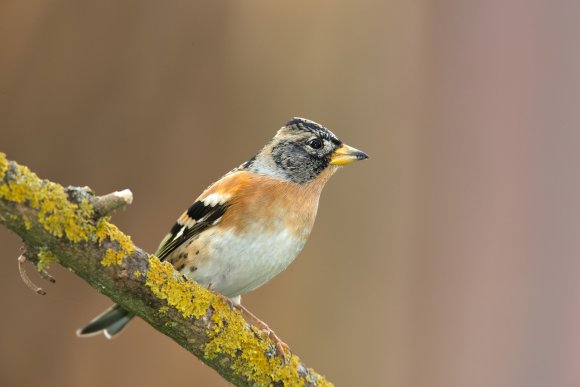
199, 217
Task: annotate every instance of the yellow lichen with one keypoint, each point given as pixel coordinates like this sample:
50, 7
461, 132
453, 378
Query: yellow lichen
45, 259
137, 274
164, 310
3, 165
25, 186
183, 295
61, 217
102, 229
56, 213
251, 358
113, 256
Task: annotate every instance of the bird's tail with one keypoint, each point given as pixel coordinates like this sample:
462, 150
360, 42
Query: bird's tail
110, 322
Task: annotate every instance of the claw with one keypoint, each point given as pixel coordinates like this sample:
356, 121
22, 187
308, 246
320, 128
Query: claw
281, 347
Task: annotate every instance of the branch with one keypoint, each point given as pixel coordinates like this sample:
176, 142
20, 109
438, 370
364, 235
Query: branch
70, 226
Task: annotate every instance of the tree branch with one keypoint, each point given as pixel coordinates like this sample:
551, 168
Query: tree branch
70, 226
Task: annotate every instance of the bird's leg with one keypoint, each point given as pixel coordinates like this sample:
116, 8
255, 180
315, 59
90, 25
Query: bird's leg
281, 347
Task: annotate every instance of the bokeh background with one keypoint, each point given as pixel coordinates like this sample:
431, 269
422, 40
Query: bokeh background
450, 258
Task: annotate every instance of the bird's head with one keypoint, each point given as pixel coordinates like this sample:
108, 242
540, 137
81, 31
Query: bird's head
301, 150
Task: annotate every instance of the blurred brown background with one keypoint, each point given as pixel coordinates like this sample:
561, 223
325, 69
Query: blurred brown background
450, 258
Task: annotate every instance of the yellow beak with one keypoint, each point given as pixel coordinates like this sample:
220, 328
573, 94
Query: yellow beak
346, 154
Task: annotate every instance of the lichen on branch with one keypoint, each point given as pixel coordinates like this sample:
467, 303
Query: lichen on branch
54, 211
71, 226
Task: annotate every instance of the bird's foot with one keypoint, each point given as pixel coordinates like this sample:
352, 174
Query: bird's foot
281, 347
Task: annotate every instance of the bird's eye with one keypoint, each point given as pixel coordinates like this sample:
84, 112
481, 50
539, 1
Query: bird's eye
315, 143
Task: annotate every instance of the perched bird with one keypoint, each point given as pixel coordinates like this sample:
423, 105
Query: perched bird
250, 225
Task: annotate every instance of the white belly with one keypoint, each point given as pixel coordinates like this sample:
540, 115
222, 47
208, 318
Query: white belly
241, 263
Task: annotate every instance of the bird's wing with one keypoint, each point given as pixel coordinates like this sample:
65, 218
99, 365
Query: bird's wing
204, 213
196, 219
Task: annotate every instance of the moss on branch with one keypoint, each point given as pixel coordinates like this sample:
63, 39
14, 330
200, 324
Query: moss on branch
69, 226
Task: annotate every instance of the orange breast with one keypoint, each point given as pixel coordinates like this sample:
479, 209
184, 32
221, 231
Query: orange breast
266, 203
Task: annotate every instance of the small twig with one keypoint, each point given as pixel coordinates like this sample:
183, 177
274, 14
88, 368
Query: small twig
106, 204
21, 262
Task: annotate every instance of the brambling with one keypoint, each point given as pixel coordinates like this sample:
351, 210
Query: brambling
250, 225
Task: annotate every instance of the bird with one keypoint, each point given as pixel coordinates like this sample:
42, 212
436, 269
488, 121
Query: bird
249, 225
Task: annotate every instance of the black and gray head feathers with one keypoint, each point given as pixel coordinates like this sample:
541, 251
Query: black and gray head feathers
299, 152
